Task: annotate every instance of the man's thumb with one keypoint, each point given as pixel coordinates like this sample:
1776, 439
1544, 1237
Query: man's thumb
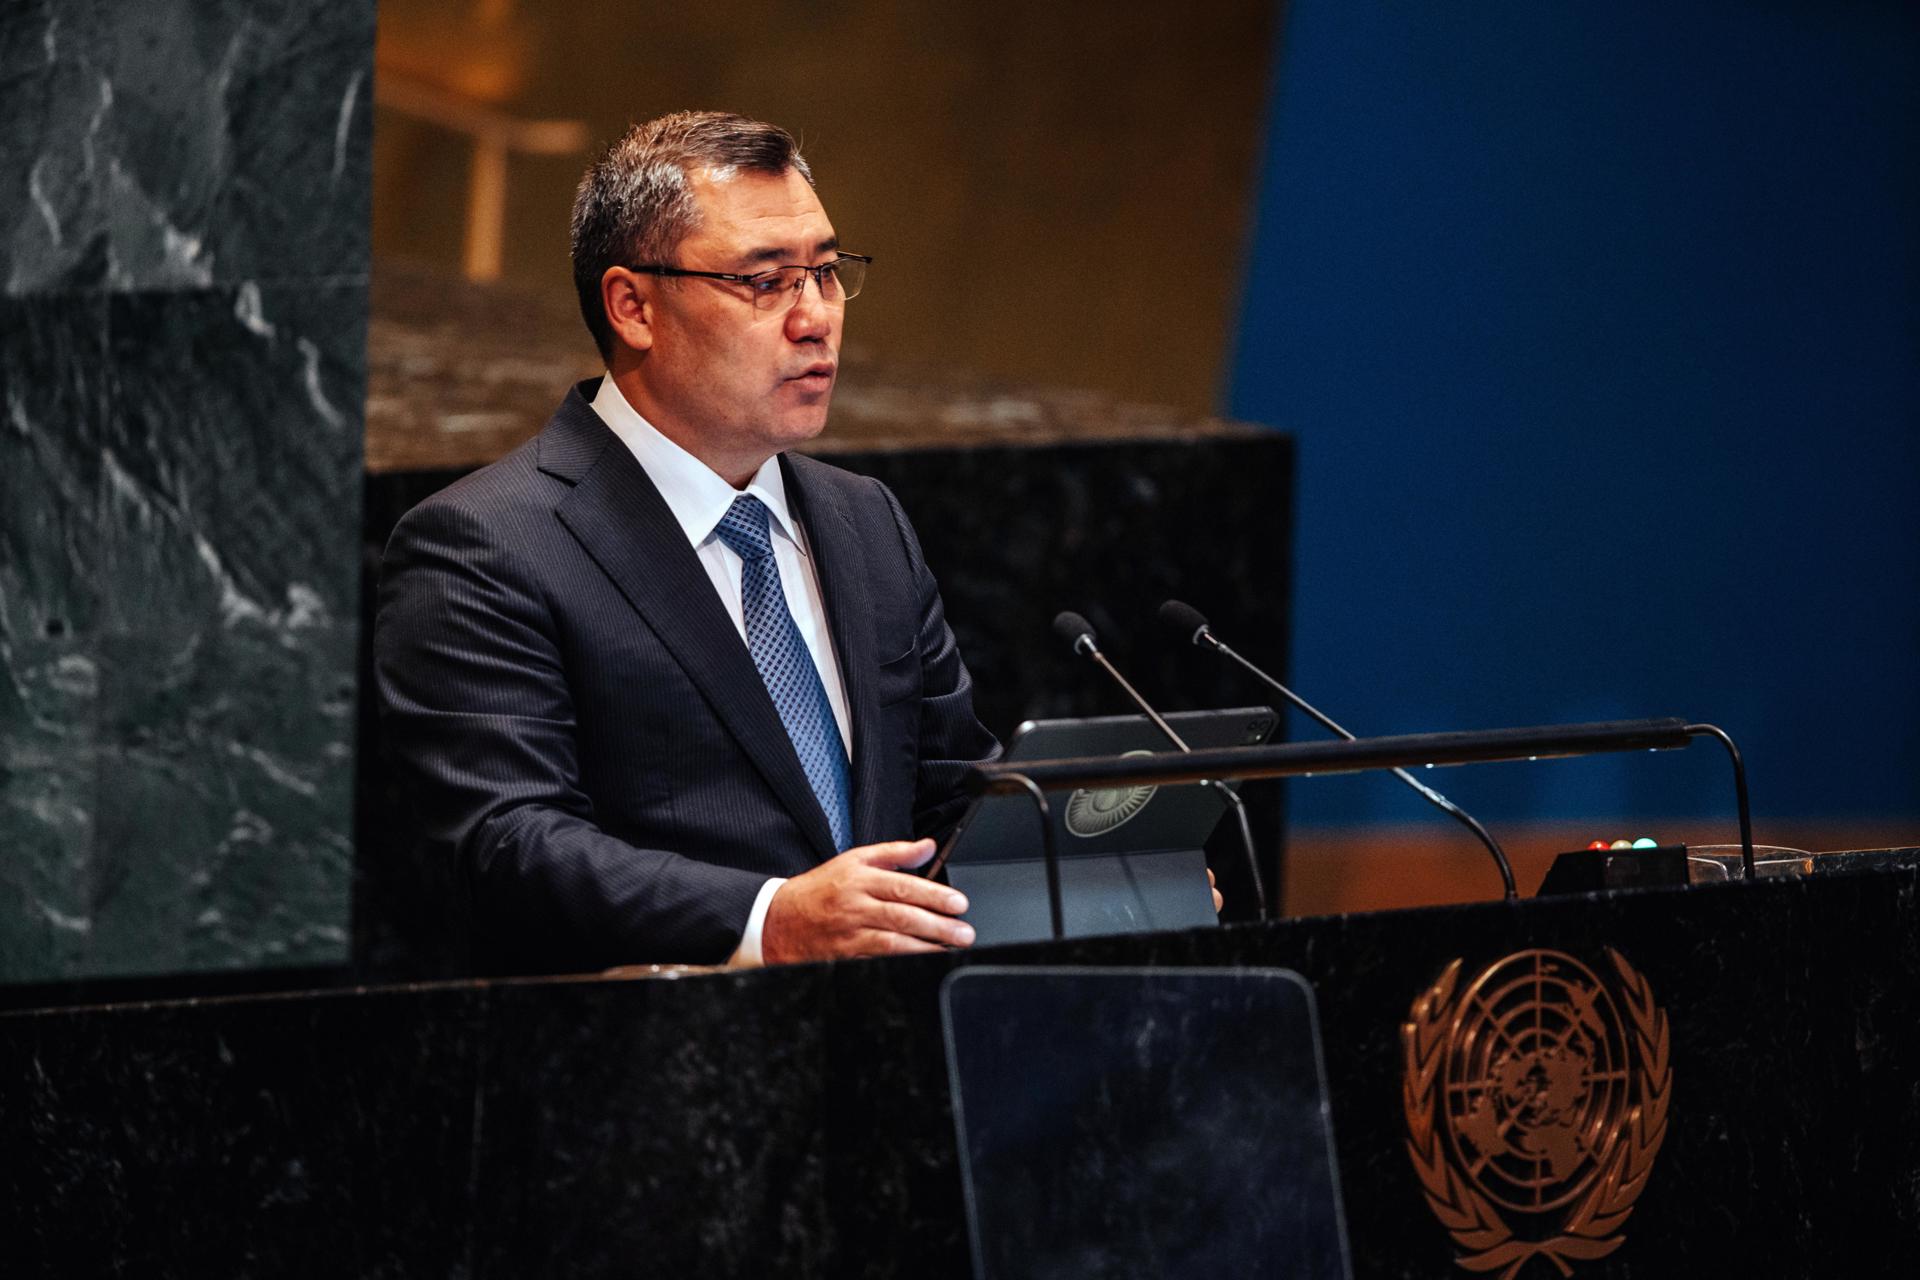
900, 854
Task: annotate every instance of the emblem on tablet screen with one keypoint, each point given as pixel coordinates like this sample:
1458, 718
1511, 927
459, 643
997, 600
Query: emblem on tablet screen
1094, 813
1536, 1096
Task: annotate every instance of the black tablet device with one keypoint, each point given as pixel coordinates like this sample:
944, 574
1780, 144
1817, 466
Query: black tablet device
1132, 859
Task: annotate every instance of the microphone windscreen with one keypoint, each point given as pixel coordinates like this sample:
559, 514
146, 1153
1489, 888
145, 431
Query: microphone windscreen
1072, 629
1184, 618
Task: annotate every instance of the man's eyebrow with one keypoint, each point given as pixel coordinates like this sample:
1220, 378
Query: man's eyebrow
781, 256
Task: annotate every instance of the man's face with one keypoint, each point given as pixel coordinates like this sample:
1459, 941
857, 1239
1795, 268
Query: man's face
732, 384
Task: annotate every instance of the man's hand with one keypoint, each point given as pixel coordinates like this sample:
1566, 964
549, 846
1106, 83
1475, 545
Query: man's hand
1218, 901
859, 904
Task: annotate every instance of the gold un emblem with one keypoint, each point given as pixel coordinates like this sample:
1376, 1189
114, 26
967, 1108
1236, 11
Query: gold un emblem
1536, 1098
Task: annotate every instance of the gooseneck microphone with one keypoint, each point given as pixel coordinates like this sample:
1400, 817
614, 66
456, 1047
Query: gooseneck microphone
1077, 632
1191, 624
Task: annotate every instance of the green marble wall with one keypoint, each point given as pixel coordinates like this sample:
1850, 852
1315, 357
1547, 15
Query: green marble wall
183, 283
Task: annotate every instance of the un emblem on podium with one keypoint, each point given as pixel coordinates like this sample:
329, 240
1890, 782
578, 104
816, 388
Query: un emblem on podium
1536, 1096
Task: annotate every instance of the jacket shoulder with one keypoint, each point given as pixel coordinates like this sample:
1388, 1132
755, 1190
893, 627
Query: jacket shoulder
819, 473
536, 474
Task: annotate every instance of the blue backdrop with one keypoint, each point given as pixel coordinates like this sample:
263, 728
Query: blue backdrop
1597, 326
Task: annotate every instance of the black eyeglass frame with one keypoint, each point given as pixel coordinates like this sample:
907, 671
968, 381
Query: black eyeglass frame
747, 278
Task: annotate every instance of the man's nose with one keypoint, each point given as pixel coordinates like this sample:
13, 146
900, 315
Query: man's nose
812, 316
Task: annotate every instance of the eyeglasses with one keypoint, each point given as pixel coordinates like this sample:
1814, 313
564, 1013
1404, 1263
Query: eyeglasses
837, 280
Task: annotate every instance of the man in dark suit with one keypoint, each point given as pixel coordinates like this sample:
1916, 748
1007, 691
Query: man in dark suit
668, 692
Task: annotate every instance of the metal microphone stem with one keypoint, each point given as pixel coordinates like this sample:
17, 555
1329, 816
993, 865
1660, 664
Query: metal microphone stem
1139, 701
1433, 797
1227, 794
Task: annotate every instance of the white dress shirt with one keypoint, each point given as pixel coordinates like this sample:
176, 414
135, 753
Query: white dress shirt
698, 498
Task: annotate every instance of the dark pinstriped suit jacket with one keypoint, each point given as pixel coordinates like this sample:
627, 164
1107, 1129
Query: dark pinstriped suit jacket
583, 725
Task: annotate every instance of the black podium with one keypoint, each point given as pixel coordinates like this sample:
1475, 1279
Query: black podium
1715, 1080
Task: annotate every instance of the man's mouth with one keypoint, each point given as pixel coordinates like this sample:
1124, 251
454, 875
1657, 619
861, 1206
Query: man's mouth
816, 377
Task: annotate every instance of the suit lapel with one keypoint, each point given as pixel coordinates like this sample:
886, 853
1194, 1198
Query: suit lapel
620, 519
840, 564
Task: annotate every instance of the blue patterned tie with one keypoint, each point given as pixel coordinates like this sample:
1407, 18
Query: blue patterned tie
786, 666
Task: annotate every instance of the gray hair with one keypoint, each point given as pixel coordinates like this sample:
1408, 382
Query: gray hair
635, 204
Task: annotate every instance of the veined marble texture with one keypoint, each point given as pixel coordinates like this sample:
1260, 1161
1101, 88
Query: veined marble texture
183, 259
180, 143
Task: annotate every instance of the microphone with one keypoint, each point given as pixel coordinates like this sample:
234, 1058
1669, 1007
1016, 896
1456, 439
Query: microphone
1190, 623
1077, 632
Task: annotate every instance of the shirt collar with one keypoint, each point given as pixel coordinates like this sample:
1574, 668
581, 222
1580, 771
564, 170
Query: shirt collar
694, 492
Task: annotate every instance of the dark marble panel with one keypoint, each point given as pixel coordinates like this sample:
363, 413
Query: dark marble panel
183, 260
228, 550
223, 817
67, 993
589, 1094
1017, 533
179, 610
232, 456
53, 390
893, 1121
48, 752
52, 396
797, 1122
183, 143
317, 1136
